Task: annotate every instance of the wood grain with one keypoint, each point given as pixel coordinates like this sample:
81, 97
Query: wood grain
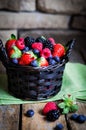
38, 121
9, 117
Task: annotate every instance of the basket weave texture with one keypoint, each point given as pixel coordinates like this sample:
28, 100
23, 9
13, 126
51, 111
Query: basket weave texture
36, 83
26, 82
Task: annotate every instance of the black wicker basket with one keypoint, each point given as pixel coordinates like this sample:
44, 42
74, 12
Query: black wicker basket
36, 83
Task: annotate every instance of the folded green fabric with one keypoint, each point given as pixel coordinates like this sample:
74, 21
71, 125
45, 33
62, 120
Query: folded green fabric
74, 83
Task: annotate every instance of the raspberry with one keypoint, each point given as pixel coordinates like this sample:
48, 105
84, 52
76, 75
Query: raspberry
20, 43
49, 106
37, 45
46, 53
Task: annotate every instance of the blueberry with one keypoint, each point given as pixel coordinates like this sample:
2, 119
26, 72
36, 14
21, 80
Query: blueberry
37, 52
50, 57
30, 113
52, 61
34, 63
81, 119
56, 58
59, 127
15, 60
25, 49
74, 116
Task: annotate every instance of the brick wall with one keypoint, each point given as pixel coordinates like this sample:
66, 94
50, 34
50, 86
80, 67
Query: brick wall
61, 19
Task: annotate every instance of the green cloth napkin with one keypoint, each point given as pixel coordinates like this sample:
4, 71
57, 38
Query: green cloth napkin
74, 83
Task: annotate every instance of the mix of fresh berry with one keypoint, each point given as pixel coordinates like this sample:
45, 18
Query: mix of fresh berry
37, 52
51, 111
78, 118
49, 106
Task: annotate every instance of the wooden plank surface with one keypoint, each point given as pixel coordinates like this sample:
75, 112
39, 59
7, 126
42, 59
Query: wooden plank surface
77, 126
9, 117
38, 121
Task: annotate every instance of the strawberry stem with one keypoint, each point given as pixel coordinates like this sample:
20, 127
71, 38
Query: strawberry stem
13, 36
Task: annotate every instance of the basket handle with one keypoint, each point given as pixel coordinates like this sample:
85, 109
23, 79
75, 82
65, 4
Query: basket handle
70, 44
3, 55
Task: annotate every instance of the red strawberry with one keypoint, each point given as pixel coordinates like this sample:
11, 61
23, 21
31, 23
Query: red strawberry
52, 40
20, 43
58, 50
42, 62
25, 59
49, 106
10, 42
37, 45
10, 52
45, 53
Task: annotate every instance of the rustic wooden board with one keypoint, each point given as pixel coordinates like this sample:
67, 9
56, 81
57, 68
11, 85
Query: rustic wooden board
77, 126
9, 117
38, 121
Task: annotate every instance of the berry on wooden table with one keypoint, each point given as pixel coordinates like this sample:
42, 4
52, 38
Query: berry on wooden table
49, 106
30, 113
59, 126
53, 115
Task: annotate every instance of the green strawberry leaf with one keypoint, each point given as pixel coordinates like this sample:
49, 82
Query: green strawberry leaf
13, 36
61, 105
74, 108
66, 110
68, 104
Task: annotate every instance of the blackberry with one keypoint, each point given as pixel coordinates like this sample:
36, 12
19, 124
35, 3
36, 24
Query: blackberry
53, 115
48, 44
41, 39
29, 41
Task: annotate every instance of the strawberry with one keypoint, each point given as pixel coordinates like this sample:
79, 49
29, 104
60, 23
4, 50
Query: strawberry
10, 42
37, 45
14, 52
58, 50
45, 53
32, 54
42, 62
20, 43
52, 40
26, 59
48, 107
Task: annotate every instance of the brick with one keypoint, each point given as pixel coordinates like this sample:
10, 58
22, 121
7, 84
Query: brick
78, 53
18, 5
62, 6
4, 35
79, 22
33, 20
